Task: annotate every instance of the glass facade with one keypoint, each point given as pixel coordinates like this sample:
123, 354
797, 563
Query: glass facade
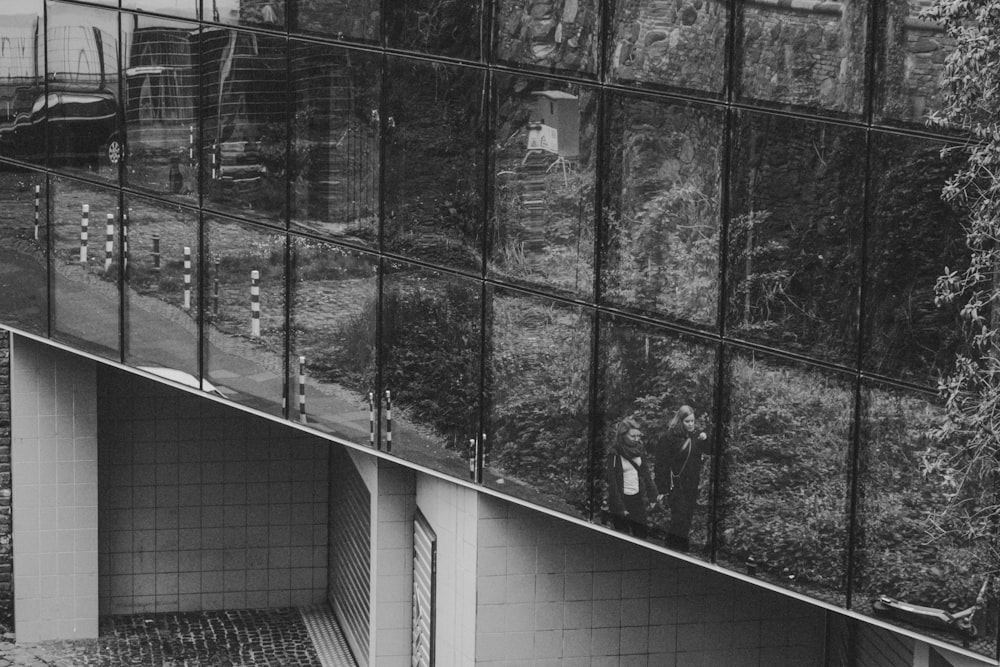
663, 266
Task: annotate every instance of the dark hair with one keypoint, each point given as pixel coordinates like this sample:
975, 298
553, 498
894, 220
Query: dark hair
677, 422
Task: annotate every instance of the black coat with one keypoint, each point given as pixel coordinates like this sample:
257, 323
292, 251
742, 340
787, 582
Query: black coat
677, 459
616, 496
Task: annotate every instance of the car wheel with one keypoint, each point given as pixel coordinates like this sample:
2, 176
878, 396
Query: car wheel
114, 150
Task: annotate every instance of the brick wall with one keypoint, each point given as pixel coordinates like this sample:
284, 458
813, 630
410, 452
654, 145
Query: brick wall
6, 552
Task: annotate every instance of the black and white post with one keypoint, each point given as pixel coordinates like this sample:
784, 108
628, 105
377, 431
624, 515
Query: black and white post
109, 240
371, 420
472, 458
255, 304
187, 278
84, 227
191, 145
215, 289
156, 252
388, 421
302, 389
38, 196
125, 239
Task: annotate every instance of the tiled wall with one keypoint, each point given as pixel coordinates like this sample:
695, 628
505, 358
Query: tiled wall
452, 512
205, 507
393, 566
54, 496
551, 593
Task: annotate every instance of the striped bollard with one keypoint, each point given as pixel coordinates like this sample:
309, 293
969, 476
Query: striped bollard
125, 239
472, 458
191, 145
255, 304
215, 289
156, 252
371, 420
215, 168
109, 241
84, 226
388, 421
38, 192
302, 389
187, 278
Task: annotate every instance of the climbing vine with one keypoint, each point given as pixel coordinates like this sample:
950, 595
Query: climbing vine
967, 457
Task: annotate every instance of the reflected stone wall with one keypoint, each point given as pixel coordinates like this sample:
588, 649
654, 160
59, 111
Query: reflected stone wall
549, 33
914, 61
671, 41
805, 53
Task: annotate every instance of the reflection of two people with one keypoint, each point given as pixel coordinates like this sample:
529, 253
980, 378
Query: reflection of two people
632, 487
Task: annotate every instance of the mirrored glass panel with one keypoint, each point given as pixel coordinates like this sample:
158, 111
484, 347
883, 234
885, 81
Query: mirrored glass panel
662, 188
542, 227
549, 35
434, 163
678, 45
244, 131
795, 235
909, 549
334, 166
785, 474
452, 28
334, 313
83, 126
808, 54
538, 387
913, 236
258, 13
161, 286
657, 406
431, 350
161, 101
22, 82
84, 237
244, 312
24, 300
187, 9
354, 20
910, 63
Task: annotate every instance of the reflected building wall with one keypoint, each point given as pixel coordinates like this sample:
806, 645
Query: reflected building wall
369, 219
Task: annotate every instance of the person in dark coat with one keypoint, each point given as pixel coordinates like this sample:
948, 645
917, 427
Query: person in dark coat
630, 484
678, 469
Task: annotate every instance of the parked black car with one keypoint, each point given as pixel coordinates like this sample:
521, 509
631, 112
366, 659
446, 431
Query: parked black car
82, 127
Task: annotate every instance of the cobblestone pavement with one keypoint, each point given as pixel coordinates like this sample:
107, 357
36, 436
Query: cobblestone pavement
269, 637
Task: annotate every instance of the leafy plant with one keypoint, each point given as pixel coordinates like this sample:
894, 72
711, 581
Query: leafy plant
966, 456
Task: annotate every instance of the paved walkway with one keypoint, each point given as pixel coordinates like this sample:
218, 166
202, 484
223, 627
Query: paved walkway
268, 637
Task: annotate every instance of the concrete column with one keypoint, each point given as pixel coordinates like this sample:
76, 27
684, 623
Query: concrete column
54, 496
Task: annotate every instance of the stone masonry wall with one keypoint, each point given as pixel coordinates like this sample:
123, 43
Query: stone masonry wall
912, 76
679, 43
804, 54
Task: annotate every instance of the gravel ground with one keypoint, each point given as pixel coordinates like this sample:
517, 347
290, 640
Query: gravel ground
269, 637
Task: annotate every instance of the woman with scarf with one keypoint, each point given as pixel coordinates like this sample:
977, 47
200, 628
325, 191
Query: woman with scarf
678, 469
630, 485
